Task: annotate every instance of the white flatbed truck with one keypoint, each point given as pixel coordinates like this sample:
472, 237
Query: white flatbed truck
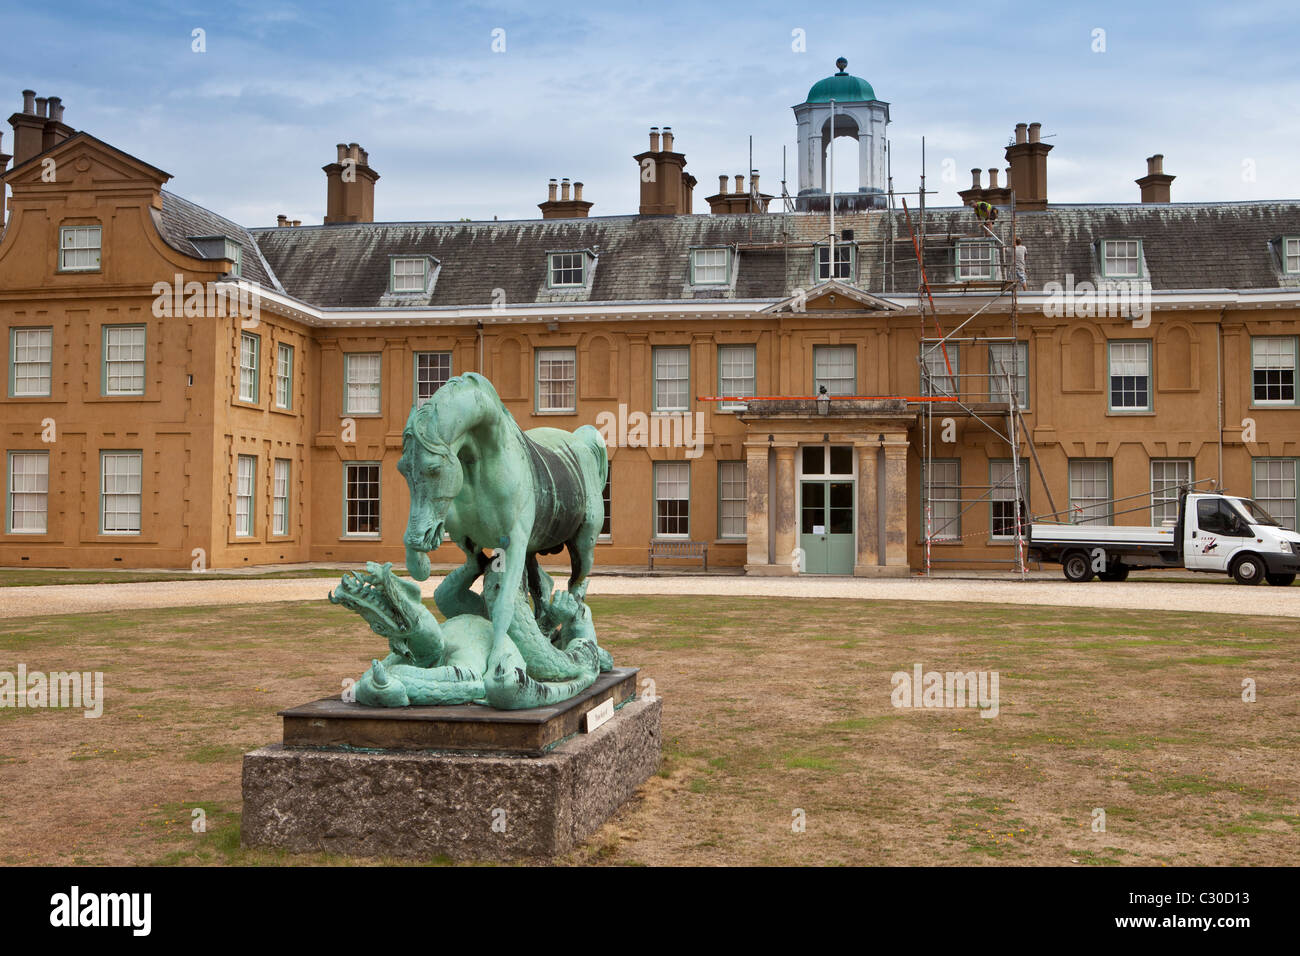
1213, 533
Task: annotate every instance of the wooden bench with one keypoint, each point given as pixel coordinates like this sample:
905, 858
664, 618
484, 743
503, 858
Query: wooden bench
679, 549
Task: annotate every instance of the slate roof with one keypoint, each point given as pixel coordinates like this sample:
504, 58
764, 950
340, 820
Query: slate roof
182, 220
646, 258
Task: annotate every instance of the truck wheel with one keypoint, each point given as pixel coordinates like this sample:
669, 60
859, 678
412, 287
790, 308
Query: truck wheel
1248, 569
1280, 579
1077, 567
1116, 572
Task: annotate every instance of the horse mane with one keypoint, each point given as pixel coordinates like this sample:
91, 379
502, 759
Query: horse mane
425, 424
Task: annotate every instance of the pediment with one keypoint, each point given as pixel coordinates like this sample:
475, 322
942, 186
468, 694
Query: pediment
833, 296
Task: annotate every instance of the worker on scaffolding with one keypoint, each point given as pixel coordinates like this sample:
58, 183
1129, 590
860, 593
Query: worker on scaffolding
1021, 274
987, 214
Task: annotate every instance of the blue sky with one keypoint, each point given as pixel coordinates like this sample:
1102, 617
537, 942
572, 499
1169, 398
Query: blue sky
457, 130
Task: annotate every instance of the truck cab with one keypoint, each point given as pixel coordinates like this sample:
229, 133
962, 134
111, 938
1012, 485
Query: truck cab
1235, 535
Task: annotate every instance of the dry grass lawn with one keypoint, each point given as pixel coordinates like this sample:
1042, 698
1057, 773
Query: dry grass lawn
769, 707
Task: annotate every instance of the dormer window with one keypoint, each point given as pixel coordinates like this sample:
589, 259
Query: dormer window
710, 266
1291, 255
975, 260
79, 248
843, 262
235, 253
408, 274
1121, 258
566, 270
221, 247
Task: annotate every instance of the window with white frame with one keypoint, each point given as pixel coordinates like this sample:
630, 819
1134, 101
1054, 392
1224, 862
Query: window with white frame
733, 502
30, 353
245, 484
1121, 258
361, 498
843, 261
1009, 358
280, 497
940, 366
284, 376
1168, 476
1090, 497
250, 348
124, 360
1130, 376
672, 499
1275, 488
1273, 361
567, 268
29, 492
119, 491
557, 380
235, 253
1002, 480
836, 367
672, 378
79, 248
944, 490
976, 260
361, 383
409, 274
736, 374
606, 528
709, 266
432, 370
1291, 254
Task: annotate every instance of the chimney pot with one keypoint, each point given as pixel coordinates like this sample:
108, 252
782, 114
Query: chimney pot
343, 151
1034, 130
753, 181
40, 107
296, 222
740, 183
668, 139
564, 189
29, 101
975, 178
722, 183
281, 220
654, 139
993, 178
56, 108
354, 153
550, 191
1156, 164
1020, 132
577, 191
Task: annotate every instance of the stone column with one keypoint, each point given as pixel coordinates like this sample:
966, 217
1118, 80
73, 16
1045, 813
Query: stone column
866, 172
895, 506
784, 504
758, 497
867, 560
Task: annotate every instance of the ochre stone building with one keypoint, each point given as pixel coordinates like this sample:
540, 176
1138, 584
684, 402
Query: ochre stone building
184, 391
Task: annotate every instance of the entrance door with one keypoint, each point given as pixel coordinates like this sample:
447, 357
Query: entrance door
826, 526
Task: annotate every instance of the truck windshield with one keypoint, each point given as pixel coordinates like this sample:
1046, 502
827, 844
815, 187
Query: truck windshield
1255, 514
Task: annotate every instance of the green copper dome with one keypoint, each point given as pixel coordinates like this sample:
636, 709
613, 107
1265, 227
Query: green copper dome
841, 87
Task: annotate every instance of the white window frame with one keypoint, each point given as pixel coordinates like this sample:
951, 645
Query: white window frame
823, 367
944, 493
434, 362
235, 253
976, 260
1279, 475
282, 469
1280, 351
127, 488
27, 484
1084, 476
250, 360
245, 496
284, 376
1168, 475
733, 359
1002, 492
935, 380
1110, 253
362, 383
1291, 255
403, 279
673, 477
31, 356
348, 500
711, 271
128, 367
733, 499
997, 379
672, 372
556, 374
1132, 354
80, 248
845, 261
558, 263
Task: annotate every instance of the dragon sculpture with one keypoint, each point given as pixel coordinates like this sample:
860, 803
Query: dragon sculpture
503, 496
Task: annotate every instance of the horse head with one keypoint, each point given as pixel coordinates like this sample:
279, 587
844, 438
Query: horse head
434, 475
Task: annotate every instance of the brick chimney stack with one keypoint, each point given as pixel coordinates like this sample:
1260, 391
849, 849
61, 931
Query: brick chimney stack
1028, 160
350, 186
1155, 184
564, 207
741, 200
29, 128
666, 187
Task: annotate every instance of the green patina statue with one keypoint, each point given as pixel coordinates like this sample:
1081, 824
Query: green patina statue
503, 496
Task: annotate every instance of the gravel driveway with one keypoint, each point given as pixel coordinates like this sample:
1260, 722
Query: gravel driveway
1207, 598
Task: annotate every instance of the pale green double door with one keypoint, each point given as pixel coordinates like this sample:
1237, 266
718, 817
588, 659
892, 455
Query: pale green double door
826, 526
